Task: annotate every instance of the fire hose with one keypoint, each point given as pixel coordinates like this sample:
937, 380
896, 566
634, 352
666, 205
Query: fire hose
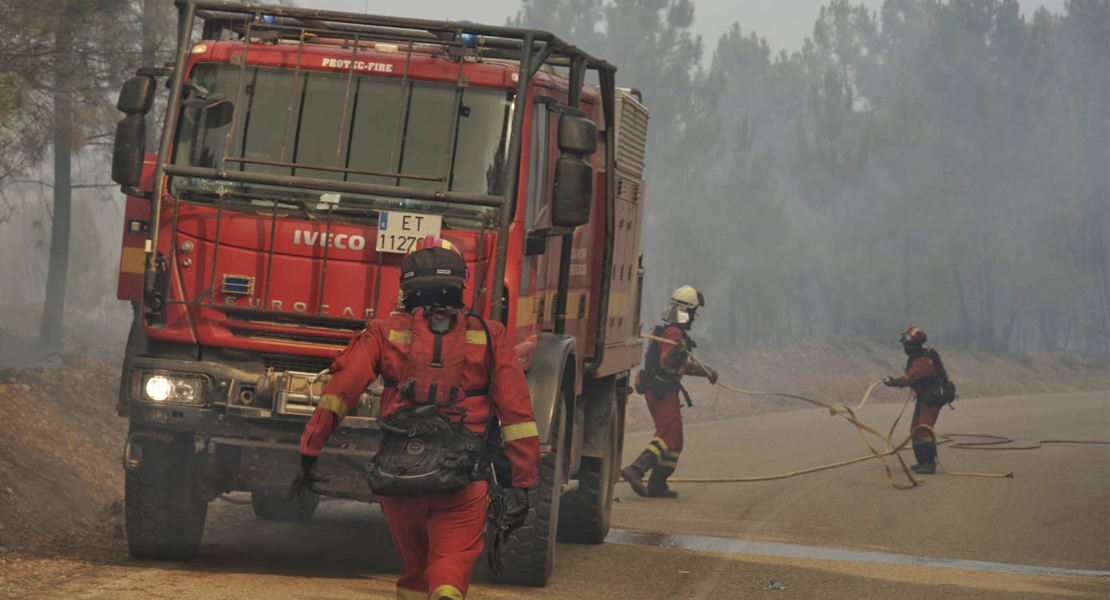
888, 448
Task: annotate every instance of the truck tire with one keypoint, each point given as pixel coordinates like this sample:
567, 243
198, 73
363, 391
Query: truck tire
163, 513
584, 514
530, 554
275, 506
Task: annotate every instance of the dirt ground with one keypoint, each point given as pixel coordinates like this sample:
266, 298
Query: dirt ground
845, 533
60, 448
61, 441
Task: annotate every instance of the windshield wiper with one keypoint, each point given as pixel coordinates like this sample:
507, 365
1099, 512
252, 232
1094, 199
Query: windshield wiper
252, 198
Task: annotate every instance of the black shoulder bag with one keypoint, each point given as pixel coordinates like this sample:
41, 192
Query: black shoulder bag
423, 453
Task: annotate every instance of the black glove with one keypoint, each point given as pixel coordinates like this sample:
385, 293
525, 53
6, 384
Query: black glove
306, 479
894, 382
711, 375
507, 511
516, 509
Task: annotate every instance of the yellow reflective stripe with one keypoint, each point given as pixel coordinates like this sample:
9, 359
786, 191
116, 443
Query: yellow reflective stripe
655, 450
476, 337
132, 260
668, 463
662, 445
528, 308
673, 454
400, 337
518, 431
404, 594
445, 591
334, 404
524, 311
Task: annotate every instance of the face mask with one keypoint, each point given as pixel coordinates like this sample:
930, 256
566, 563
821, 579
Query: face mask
440, 320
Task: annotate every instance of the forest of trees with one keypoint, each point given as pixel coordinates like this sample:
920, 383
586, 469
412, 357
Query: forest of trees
61, 65
938, 163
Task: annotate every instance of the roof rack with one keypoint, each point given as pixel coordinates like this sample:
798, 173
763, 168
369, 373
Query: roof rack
499, 41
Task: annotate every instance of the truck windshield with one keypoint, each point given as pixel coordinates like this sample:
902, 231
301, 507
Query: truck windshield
322, 126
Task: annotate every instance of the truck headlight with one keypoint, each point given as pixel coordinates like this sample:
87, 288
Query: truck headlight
174, 389
158, 388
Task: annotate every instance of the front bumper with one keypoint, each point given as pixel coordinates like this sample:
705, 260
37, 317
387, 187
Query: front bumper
245, 404
245, 447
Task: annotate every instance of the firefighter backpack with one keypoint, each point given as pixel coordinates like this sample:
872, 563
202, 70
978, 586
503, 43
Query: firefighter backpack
422, 451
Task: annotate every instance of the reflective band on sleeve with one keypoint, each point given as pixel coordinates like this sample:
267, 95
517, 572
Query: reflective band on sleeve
400, 337
334, 404
476, 337
518, 431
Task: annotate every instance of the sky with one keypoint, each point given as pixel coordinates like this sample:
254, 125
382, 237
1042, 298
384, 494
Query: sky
785, 23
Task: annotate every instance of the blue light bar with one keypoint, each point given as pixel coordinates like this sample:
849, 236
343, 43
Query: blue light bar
469, 39
266, 19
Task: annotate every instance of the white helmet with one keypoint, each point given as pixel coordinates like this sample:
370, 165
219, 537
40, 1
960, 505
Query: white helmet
684, 301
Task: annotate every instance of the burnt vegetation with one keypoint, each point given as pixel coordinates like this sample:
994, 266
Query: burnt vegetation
940, 163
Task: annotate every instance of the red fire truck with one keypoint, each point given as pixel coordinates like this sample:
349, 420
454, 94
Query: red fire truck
301, 154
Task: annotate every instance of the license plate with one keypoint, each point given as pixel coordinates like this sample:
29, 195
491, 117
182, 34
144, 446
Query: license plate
397, 231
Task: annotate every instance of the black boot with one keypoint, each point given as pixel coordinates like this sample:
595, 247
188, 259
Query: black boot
925, 468
657, 484
926, 458
918, 455
634, 473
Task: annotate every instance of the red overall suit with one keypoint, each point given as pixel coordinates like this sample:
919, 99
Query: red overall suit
920, 373
438, 537
661, 455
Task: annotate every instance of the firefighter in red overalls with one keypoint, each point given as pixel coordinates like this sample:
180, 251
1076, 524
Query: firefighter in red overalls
434, 353
661, 381
927, 377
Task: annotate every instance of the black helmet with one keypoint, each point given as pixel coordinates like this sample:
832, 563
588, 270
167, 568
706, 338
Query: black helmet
433, 273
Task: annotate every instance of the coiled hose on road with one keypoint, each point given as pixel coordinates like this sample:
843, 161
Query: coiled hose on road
889, 448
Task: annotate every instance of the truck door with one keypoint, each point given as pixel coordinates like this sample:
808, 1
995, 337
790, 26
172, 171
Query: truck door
535, 298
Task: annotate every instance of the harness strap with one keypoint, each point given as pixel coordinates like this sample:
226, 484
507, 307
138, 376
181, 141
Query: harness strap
482, 391
686, 395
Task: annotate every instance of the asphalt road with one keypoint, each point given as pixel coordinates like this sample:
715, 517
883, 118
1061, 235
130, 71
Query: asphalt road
844, 533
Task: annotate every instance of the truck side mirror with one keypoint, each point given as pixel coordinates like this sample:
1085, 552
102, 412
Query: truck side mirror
135, 100
577, 134
535, 243
574, 191
137, 95
572, 197
219, 115
130, 146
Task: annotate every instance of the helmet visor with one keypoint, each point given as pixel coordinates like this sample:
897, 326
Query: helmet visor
676, 313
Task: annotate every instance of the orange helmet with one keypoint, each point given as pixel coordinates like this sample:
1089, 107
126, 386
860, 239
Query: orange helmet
433, 273
913, 336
